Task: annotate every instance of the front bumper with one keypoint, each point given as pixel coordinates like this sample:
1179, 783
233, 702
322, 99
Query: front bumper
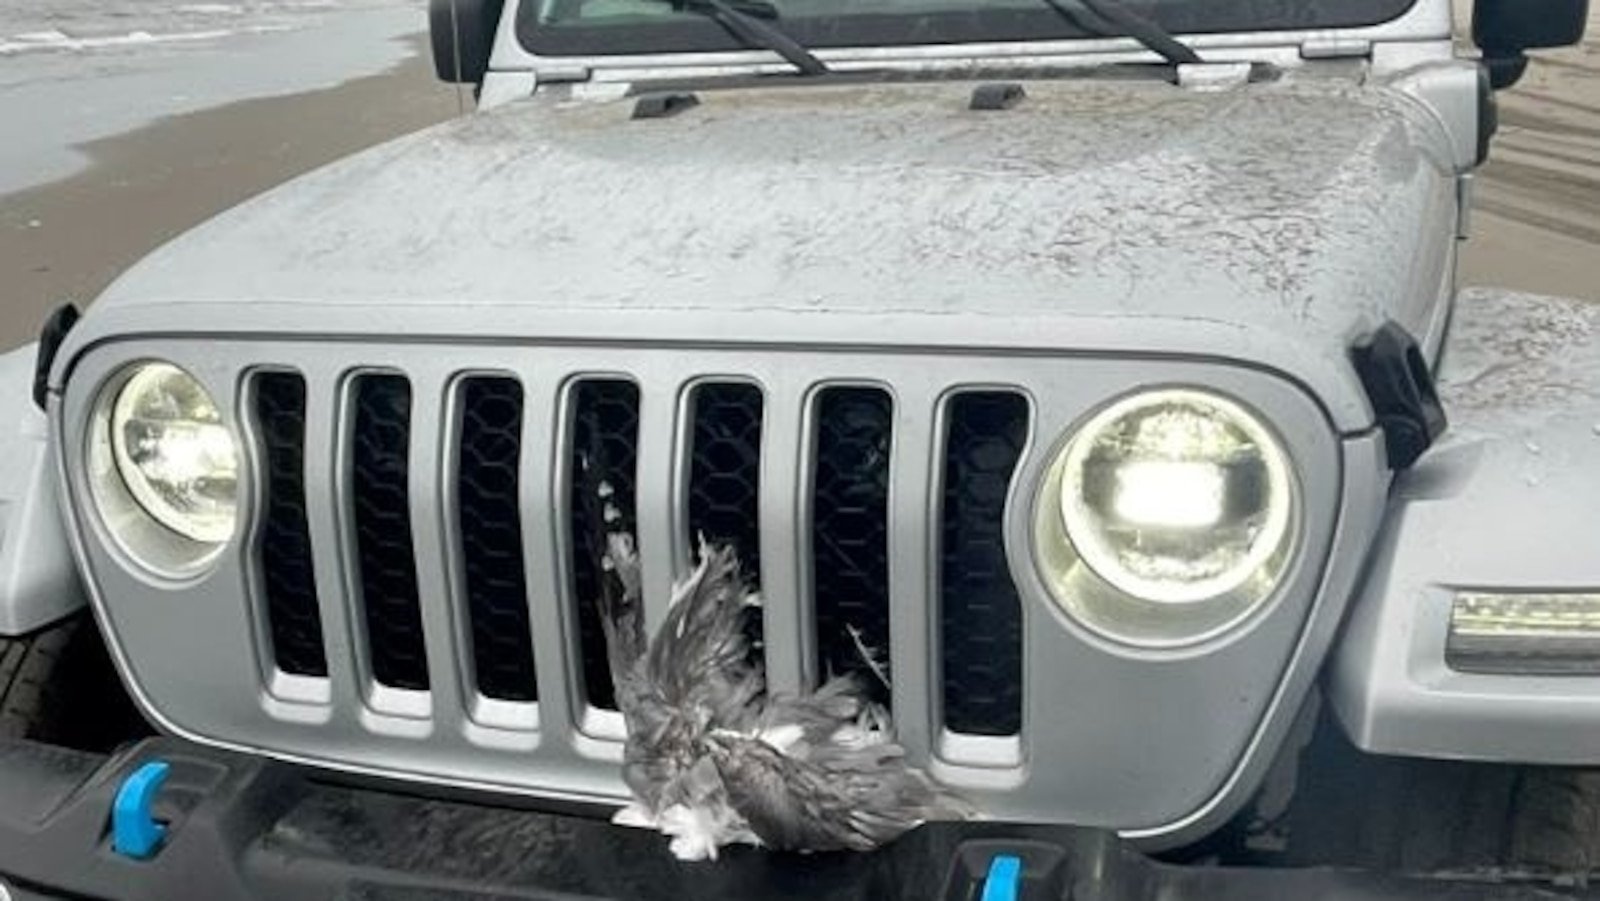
241, 827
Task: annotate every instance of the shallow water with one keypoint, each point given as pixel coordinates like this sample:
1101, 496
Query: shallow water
117, 68
77, 26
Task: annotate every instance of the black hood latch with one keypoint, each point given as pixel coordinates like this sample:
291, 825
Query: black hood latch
1401, 390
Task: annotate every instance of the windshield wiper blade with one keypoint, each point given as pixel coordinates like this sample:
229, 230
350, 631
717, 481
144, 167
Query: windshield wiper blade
1110, 18
746, 21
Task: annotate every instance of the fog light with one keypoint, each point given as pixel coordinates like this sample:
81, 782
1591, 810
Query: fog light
1554, 634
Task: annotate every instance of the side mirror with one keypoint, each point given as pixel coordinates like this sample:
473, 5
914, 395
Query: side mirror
462, 34
1506, 28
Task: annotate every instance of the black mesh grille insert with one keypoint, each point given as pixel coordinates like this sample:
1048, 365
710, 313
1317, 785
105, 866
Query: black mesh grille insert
850, 535
287, 576
725, 470
487, 482
605, 452
980, 613
380, 464
725, 479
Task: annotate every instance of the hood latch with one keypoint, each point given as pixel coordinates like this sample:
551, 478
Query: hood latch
1402, 393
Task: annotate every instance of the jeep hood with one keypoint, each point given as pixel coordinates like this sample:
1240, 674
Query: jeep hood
1271, 223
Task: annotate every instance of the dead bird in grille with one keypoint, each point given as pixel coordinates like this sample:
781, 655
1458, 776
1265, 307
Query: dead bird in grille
713, 759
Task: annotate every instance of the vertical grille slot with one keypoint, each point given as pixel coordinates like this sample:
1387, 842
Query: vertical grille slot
287, 577
604, 451
379, 470
725, 470
850, 535
725, 479
488, 481
980, 612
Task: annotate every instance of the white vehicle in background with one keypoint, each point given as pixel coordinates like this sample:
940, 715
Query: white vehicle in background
1090, 362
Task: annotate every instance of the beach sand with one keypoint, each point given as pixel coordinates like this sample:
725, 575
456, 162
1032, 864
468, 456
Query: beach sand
68, 239
1536, 225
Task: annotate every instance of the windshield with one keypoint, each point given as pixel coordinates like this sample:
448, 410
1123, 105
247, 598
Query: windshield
604, 27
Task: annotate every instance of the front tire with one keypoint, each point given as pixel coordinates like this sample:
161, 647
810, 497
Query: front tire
57, 685
1396, 814
1555, 821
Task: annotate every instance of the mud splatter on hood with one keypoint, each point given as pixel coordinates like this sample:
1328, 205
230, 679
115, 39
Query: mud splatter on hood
1291, 214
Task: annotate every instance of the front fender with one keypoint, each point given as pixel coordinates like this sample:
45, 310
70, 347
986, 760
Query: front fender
1508, 502
38, 579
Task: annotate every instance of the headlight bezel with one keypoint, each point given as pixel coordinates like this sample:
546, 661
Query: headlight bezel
1104, 610
139, 535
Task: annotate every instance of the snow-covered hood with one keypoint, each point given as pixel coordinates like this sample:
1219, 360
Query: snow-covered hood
1270, 223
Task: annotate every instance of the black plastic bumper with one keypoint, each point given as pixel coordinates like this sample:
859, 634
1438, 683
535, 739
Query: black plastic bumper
246, 828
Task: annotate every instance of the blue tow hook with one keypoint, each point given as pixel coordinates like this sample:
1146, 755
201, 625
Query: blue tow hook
1004, 882
134, 830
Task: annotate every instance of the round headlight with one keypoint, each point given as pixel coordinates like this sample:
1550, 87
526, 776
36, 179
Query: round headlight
176, 458
1169, 515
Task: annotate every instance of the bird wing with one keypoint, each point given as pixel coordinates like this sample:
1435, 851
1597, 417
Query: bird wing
787, 803
838, 799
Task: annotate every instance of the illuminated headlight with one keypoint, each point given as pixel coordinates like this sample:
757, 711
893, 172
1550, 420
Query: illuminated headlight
1167, 517
163, 458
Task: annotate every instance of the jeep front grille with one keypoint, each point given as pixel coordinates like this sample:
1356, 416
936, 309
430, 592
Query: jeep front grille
851, 436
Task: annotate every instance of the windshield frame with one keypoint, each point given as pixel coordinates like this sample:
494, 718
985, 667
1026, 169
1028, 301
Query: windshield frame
1010, 24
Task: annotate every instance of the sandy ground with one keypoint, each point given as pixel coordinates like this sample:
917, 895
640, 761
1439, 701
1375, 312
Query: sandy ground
1537, 213
1536, 225
68, 239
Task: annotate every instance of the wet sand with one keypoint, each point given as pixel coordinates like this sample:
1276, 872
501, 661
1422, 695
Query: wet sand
1537, 209
1536, 226
68, 239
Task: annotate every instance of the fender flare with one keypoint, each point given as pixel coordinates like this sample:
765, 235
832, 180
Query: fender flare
39, 581
1507, 502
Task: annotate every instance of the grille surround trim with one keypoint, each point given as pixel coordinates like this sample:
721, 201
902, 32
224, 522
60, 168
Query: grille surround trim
568, 765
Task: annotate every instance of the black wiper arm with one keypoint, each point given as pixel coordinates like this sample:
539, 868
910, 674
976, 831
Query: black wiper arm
1111, 19
747, 21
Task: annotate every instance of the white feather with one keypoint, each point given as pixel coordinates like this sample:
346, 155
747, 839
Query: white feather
867, 655
635, 815
697, 832
782, 738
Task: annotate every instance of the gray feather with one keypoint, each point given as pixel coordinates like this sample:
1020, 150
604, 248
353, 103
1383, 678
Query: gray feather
622, 620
